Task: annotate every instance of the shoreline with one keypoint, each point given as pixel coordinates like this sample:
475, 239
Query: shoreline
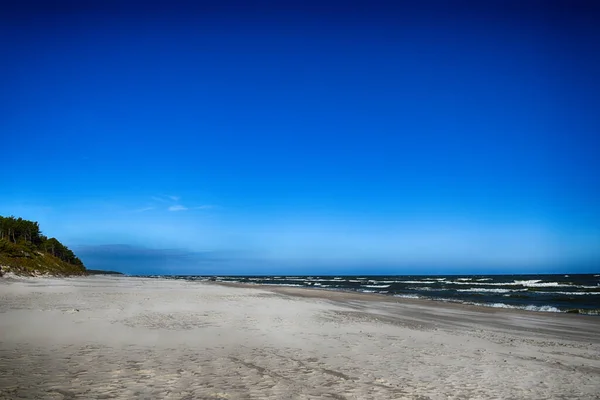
394, 298
560, 293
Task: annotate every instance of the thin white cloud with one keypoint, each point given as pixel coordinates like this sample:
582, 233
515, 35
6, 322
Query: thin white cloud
204, 207
144, 209
174, 206
163, 198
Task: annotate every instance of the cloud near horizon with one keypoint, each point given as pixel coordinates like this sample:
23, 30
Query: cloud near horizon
175, 204
143, 260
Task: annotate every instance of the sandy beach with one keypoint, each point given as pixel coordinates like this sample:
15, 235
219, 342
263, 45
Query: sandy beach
117, 337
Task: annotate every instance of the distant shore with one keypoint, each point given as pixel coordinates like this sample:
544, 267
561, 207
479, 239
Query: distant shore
102, 272
123, 337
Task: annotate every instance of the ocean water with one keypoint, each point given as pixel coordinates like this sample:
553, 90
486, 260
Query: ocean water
575, 293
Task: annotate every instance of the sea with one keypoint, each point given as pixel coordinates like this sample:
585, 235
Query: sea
576, 293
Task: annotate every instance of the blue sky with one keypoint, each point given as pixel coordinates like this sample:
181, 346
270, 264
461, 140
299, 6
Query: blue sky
304, 136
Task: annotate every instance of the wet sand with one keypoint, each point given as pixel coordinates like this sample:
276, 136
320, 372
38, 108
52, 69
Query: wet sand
117, 337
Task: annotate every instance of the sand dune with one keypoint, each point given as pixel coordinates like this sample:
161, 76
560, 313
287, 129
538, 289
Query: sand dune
116, 337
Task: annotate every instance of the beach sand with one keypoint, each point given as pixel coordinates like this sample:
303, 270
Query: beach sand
118, 337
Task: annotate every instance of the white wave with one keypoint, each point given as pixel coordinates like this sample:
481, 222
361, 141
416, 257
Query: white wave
484, 290
529, 283
285, 284
539, 283
542, 308
484, 279
494, 305
407, 296
414, 282
527, 308
368, 291
377, 286
464, 279
571, 293
481, 283
354, 280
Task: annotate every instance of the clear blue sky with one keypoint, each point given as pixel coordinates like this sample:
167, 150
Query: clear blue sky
303, 137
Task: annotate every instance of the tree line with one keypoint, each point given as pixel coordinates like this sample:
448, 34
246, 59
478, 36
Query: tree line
27, 233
